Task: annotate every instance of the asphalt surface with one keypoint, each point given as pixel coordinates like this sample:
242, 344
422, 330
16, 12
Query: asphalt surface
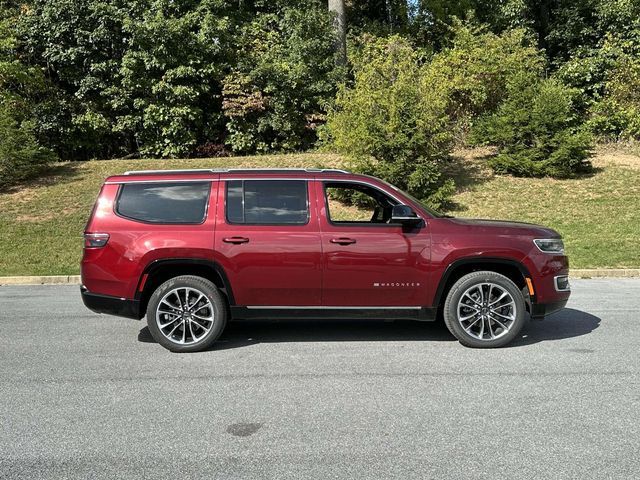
90, 396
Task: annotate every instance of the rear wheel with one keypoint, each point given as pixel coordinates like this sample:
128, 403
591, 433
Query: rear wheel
484, 310
186, 314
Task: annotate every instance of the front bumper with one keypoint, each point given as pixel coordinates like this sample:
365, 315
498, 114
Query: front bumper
120, 307
541, 310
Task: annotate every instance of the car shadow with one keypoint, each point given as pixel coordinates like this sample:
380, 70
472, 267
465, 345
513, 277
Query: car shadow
242, 333
567, 323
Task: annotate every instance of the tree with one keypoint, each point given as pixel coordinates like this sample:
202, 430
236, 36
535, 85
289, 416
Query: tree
537, 130
336, 7
391, 122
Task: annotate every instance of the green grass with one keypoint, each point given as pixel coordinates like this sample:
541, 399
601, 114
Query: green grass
41, 223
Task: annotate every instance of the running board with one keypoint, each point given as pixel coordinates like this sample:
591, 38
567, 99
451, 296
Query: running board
319, 313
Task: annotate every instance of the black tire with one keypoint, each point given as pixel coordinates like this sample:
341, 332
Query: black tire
219, 313
467, 339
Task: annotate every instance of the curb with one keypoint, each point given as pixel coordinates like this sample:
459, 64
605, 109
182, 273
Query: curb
75, 279
603, 272
41, 280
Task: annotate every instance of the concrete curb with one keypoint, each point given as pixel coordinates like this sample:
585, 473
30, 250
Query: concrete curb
604, 272
75, 279
41, 280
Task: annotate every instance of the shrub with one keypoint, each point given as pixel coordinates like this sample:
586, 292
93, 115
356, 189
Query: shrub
20, 155
537, 131
391, 122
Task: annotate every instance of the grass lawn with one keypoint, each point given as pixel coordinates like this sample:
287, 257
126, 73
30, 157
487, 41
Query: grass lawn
41, 222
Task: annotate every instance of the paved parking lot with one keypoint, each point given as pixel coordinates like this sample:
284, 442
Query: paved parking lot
90, 396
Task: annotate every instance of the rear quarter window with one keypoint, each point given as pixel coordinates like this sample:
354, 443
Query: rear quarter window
164, 202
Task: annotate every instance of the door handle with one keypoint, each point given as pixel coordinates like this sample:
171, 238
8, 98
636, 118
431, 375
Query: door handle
235, 240
343, 241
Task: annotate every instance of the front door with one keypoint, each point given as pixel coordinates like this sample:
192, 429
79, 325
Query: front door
268, 242
367, 260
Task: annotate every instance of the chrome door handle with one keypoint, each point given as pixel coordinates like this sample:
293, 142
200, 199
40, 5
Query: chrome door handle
235, 240
343, 241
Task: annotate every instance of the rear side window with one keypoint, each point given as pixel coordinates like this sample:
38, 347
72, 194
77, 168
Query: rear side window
179, 202
267, 202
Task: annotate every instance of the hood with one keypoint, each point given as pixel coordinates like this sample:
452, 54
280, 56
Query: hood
506, 227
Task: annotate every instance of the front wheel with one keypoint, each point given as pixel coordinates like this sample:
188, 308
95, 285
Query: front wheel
186, 314
484, 310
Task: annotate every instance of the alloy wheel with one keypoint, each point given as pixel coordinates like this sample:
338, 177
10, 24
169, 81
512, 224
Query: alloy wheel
185, 316
486, 311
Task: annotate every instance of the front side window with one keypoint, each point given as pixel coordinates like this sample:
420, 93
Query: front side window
356, 203
164, 202
267, 202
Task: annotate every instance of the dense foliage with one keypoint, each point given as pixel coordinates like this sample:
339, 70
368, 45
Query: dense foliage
103, 79
21, 156
404, 109
277, 93
474, 72
148, 76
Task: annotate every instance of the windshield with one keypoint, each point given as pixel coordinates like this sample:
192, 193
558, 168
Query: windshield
428, 210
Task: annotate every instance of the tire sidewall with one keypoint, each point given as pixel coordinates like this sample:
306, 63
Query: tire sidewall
461, 286
197, 283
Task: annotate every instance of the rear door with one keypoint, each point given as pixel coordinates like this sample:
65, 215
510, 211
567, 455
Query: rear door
268, 240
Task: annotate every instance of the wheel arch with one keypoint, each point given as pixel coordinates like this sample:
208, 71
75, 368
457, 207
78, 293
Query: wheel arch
512, 269
159, 271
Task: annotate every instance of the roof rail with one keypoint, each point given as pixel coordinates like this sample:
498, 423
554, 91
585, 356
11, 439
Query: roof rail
167, 172
235, 170
285, 170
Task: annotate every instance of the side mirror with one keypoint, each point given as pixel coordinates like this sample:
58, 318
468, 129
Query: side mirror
404, 215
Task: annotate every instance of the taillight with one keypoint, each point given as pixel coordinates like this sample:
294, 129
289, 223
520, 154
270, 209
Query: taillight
95, 240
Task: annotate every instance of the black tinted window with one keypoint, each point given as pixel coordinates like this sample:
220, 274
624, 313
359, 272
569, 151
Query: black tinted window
184, 202
274, 202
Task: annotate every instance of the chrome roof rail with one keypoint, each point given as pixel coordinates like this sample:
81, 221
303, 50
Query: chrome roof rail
235, 170
167, 172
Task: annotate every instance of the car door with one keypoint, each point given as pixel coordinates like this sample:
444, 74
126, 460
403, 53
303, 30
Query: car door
368, 261
268, 241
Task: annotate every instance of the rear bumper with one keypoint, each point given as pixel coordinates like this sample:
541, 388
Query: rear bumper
120, 307
541, 310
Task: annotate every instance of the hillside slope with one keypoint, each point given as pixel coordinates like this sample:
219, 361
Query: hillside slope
41, 223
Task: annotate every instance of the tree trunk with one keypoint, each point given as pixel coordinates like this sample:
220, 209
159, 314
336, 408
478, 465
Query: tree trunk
336, 7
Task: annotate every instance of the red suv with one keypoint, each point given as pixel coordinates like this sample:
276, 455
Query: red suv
193, 249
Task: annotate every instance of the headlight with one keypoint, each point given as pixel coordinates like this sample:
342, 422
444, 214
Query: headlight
550, 245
